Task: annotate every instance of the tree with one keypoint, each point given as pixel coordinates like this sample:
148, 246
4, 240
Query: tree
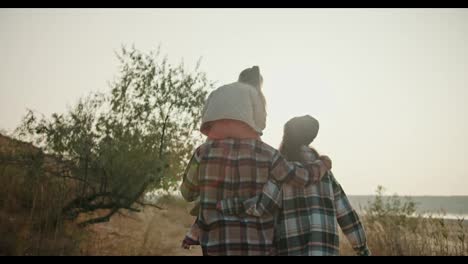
133, 140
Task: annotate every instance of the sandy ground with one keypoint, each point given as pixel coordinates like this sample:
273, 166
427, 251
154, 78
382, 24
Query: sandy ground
151, 232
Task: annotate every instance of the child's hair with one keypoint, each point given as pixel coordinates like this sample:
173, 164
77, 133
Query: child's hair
253, 77
298, 131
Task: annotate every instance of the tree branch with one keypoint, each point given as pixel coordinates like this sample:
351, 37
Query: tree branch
96, 220
75, 203
149, 204
76, 179
164, 130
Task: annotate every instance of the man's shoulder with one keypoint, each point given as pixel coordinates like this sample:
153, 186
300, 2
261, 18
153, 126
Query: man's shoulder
267, 149
261, 148
203, 148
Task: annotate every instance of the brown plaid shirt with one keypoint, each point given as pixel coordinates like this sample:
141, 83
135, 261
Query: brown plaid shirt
229, 168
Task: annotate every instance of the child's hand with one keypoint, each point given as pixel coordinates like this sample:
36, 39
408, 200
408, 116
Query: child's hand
185, 245
326, 161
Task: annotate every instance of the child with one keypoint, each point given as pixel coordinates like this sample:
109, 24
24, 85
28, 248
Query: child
236, 110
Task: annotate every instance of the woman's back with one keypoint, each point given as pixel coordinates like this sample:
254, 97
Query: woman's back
308, 222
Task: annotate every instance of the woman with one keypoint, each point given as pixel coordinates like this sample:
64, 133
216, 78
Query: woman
307, 218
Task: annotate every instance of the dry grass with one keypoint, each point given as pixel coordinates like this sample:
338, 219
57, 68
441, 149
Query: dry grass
30, 222
30, 203
156, 232
413, 236
151, 232
159, 232
418, 236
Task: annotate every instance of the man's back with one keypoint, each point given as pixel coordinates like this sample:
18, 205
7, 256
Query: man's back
233, 168
238, 168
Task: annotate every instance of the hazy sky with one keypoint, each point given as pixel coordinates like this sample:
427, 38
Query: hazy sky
389, 86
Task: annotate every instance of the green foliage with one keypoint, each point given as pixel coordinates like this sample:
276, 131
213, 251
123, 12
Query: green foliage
135, 139
390, 207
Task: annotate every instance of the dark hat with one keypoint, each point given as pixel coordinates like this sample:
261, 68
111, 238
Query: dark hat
302, 129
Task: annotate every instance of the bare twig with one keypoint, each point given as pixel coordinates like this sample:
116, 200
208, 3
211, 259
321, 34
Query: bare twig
103, 219
151, 205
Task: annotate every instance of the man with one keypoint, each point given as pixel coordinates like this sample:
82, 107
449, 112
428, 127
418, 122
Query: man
227, 168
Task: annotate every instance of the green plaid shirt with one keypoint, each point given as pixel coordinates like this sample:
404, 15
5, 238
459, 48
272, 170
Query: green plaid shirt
307, 219
223, 169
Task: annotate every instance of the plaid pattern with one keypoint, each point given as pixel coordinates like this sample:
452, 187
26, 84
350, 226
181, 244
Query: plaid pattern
307, 218
221, 169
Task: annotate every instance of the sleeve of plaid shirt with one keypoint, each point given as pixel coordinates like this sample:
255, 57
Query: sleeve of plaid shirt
267, 202
295, 173
349, 220
270, 199
189, 188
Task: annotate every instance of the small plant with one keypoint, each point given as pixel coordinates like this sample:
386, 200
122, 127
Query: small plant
394, 228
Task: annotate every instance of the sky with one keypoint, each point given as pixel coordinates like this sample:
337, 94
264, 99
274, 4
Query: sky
388, 86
